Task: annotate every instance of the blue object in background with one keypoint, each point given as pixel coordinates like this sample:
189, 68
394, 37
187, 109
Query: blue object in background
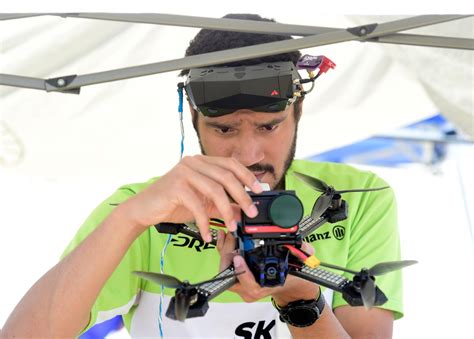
103, 329
397, 149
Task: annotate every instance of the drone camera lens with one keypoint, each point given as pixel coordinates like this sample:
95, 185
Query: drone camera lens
271, 272
286, 210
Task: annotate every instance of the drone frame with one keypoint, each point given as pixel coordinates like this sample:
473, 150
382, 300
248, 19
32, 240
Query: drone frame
207, 291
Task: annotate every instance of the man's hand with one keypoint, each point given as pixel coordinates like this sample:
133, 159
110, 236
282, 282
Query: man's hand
197, 188
249, 290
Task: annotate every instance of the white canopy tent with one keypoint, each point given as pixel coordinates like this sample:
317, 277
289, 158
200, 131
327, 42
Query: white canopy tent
60, 154
366, 86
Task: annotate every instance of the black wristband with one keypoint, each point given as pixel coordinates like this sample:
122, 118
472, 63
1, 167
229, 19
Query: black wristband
301, 313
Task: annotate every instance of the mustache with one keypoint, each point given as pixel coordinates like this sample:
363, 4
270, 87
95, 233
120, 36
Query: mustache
262, 167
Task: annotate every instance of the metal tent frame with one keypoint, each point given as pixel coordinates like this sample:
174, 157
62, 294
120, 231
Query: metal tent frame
311, 36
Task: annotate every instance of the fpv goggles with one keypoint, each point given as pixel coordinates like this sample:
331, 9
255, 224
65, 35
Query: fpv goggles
266, 87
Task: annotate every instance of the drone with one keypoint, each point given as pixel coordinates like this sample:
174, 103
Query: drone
271, 244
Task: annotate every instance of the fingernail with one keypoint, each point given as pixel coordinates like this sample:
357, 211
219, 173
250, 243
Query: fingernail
238, 261
256, 187
208, 238
252, 211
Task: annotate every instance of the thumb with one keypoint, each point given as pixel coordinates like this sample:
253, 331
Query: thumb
246, 278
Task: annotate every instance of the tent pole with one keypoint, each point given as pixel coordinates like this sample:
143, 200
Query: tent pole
426, 41
71, 84
251, 26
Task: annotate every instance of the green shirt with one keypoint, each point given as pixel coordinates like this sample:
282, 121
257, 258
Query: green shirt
368, 236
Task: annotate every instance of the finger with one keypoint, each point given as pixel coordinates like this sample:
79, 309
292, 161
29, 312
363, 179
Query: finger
248, 288
235, 190
226, 248
191, 201
244, 175
214, 193
220, 240
228, 244
214, 211
223, 172
246, 279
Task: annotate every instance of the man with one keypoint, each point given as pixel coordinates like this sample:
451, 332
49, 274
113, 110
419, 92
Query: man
93, 282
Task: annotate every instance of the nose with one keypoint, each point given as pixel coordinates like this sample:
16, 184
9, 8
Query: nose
248, 150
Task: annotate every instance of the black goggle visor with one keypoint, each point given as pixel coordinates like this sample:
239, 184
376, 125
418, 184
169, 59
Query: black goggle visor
217, 91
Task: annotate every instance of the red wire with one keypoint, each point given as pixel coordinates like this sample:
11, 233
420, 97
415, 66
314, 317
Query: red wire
297, 253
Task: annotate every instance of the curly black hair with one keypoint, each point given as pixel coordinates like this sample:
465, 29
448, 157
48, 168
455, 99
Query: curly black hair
207, 41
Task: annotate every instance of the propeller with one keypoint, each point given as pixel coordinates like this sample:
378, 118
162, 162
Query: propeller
185, 294
321, 205
367, 288
183, 299
325, 199
160, 279
364, 280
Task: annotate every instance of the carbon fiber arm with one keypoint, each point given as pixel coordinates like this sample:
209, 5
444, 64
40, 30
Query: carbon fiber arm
213, 289
336, 282
204, 293
321, 277
308, 225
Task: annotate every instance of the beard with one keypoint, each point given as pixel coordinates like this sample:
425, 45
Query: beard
289, 159
280, 181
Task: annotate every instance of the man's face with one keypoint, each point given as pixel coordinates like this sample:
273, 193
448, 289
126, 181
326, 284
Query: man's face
263, 142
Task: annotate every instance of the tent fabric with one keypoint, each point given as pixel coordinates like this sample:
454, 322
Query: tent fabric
447, 75
368, 92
